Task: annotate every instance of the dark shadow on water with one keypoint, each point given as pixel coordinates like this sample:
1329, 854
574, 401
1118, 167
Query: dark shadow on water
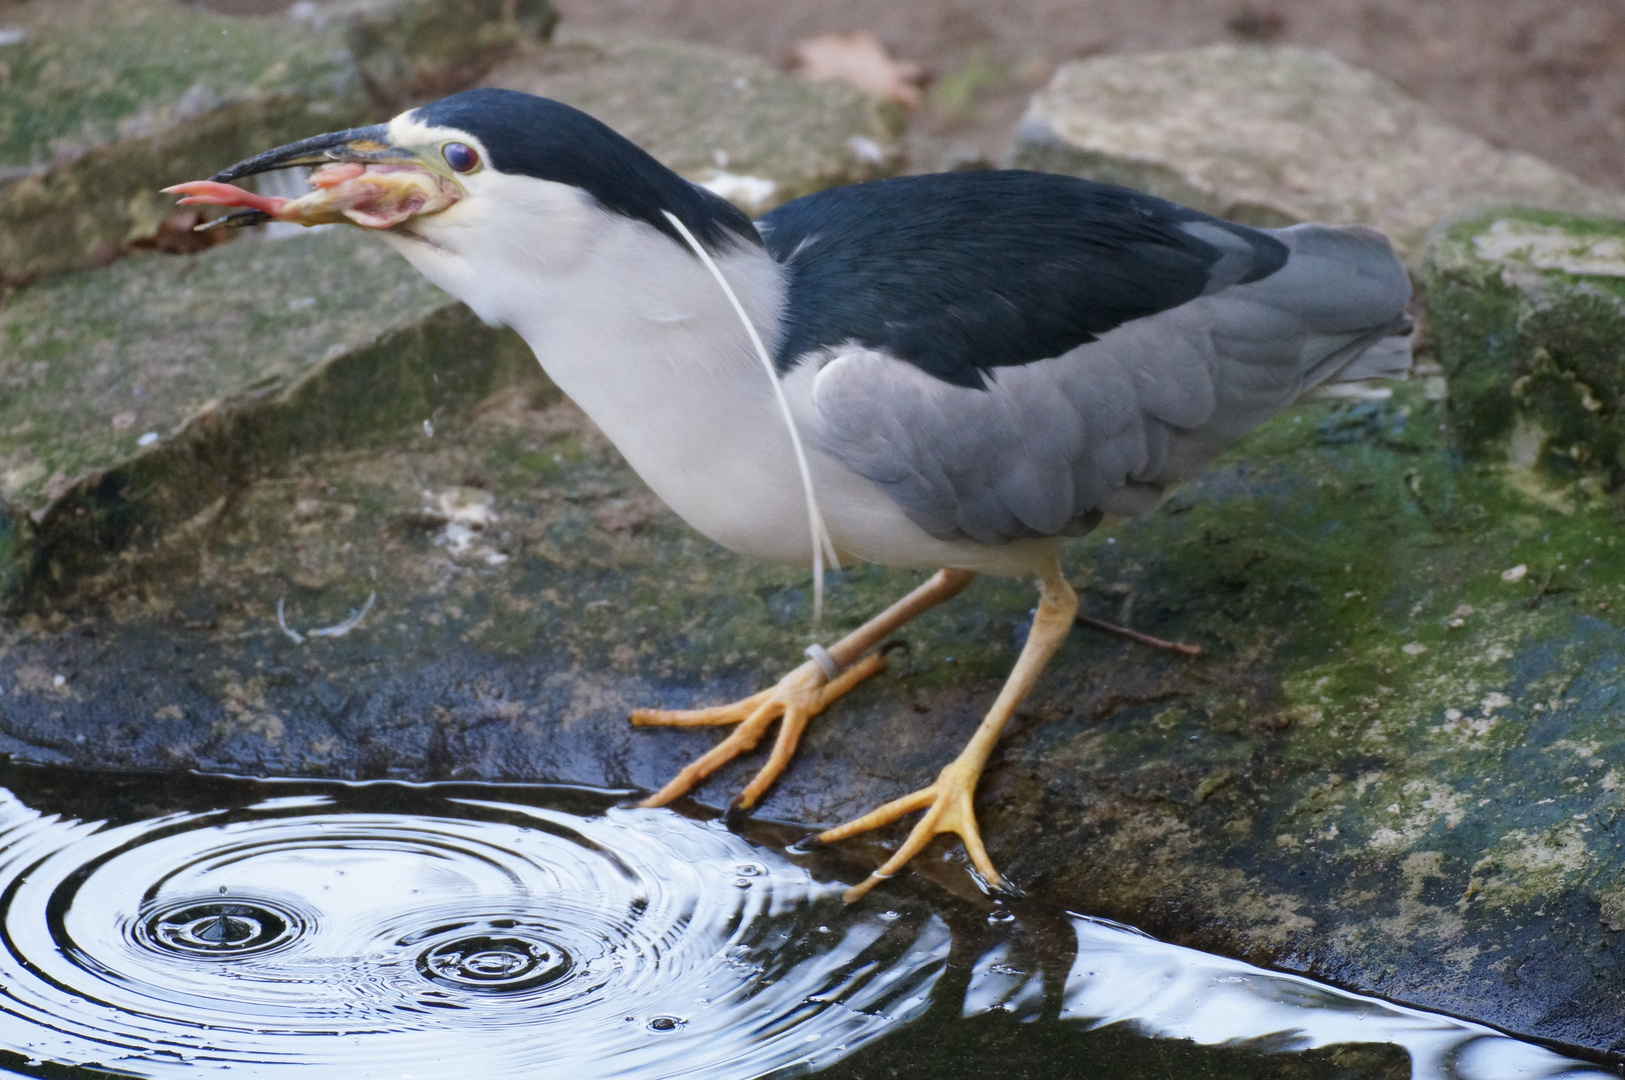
188, 925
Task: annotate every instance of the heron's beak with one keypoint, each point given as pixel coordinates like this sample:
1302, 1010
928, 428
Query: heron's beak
361, 179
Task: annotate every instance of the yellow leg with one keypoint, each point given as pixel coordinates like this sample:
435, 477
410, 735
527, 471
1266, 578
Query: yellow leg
948, 802
797, 698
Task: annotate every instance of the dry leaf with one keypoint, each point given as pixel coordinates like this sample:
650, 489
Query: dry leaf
858, 58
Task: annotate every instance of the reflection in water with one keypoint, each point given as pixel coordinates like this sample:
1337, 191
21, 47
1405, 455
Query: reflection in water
1123, 976
295, 937
387, 930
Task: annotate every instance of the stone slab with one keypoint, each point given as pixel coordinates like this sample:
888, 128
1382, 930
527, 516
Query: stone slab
1395, 768
737, 124
137, 394
107, 101
1275, 135
1527, 312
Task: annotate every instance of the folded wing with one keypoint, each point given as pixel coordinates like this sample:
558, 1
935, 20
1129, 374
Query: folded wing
1188, 333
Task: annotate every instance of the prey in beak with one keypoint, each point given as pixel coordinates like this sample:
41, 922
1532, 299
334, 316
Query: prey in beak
361, 179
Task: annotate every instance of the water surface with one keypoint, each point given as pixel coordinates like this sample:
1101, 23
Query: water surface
183, 926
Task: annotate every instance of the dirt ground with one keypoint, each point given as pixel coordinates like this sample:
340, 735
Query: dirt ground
1543, 76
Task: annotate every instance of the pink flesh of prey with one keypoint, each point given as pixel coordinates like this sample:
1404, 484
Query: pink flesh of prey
376, 196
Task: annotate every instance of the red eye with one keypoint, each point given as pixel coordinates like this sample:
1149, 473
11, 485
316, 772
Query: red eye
460, 156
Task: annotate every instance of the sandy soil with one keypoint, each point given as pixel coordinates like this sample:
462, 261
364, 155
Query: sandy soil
1544, 76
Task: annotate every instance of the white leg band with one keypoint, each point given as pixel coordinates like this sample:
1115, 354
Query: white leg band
820, 656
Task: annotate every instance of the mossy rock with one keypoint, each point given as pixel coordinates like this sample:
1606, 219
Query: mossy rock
1526, 309
1394, 768
139, 393
104, 102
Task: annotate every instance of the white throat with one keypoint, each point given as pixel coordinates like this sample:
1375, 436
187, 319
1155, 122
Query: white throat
635, 329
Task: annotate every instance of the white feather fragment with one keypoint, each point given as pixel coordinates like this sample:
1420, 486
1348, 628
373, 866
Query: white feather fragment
349, 624
336, 630
281, 620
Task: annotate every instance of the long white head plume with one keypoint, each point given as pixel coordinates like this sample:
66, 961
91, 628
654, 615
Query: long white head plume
822, 545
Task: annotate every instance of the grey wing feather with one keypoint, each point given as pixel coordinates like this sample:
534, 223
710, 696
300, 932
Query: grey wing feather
1105, 427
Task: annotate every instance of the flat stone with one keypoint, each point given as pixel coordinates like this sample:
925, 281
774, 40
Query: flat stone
747, 130
107, 101
138, 394
1527, 311
1396, 767
1275, 135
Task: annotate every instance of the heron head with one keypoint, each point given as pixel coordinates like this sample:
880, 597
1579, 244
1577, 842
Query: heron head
473, 169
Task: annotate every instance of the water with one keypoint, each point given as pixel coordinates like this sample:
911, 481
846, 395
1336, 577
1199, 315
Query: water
191, 926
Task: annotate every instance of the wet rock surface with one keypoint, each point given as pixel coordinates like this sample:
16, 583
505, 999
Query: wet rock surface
1275, 135
1528, 309
138, 394
1396, 767
1393, 769
106, 101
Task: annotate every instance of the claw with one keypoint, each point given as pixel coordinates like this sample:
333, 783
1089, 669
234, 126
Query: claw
1135, 635
799, 696
948, 806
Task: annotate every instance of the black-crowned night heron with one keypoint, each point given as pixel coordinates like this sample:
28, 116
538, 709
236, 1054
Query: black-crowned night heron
953, 372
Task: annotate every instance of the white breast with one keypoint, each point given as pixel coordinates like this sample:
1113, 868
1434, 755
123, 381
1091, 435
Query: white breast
635, 330
638, 333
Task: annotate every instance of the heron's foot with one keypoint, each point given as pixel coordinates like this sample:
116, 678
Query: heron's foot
948, 809
799, 696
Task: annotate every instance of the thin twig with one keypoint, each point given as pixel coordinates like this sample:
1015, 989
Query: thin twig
1543, 591
1134, 635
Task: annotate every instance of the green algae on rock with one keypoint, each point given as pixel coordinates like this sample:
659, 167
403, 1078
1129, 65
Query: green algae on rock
107, 101
734, 123
137, 394
1395, 767
14, 526
1275, 135
1527, 311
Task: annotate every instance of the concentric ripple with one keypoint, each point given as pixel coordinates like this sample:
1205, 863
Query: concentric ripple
309, 936
218, 929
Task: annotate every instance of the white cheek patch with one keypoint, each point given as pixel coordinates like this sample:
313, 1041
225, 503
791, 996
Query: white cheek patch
427, 139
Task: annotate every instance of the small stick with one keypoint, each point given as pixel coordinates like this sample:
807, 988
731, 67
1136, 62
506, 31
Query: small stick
1544, 591
1134, 635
